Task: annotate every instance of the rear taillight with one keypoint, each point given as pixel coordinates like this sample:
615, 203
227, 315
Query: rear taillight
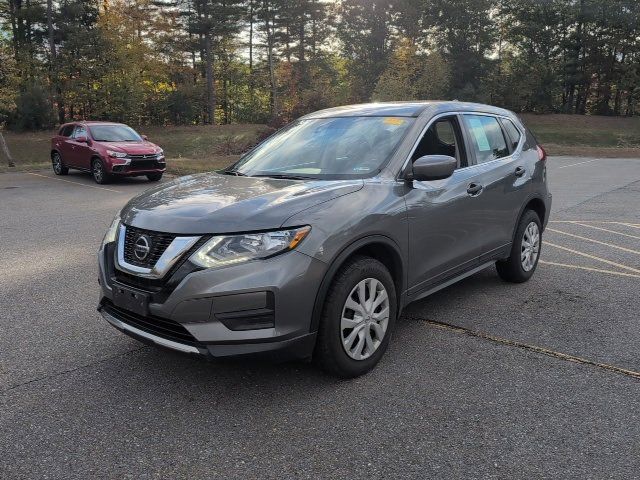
542, 155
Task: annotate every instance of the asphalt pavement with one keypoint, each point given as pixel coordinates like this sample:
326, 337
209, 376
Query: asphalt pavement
482, 380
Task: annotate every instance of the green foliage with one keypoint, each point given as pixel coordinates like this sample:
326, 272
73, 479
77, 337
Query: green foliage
413, 76
463, 31
33, 110
365, 33
8, 79
231, 61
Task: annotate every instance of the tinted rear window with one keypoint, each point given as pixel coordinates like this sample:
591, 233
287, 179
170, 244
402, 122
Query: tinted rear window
66, 131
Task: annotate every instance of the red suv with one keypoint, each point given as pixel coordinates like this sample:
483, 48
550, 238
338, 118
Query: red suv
106, 150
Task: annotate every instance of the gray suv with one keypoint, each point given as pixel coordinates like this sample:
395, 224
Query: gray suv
314, 241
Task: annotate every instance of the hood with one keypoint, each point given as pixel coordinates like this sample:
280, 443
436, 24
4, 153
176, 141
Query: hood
134, 148
215, 203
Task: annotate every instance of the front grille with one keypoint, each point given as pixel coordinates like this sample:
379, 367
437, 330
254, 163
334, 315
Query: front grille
159, 243
144, 165
161, 327
149, 161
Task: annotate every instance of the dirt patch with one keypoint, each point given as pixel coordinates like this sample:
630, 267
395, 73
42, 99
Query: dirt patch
588, 151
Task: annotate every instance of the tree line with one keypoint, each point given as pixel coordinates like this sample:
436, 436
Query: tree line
223, 61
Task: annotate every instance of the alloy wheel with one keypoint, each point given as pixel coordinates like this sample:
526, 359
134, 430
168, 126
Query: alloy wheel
365, 317
98, 172
57, 164
530, 246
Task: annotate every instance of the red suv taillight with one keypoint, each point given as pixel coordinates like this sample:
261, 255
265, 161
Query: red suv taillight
542, 155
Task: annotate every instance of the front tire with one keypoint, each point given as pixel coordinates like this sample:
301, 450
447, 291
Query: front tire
99, 172
154, 177
358, 318
525, 251
58, 165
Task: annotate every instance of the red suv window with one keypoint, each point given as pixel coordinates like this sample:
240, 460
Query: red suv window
66, 131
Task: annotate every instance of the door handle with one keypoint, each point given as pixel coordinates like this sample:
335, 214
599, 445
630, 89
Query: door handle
520, 171
474, 189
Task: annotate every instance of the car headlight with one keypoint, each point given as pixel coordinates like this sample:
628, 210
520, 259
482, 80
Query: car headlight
112, 232
229, 249
115, 154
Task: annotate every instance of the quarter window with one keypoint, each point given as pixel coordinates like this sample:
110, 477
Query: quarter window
512, 132
487, 138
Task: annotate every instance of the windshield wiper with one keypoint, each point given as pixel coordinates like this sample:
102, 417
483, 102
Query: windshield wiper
234, 172
284, 176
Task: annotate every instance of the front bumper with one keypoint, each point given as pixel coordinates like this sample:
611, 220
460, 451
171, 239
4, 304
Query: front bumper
293, 348
260, 307
132, 168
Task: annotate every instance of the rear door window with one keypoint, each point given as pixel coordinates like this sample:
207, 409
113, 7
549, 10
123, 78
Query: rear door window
66, 131
487, 138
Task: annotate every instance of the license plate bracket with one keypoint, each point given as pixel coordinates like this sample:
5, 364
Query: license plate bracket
131, 299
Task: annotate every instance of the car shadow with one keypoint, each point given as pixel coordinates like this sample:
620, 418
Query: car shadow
85, 176
198, 375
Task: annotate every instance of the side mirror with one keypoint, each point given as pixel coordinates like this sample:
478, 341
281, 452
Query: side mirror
433, 167
82, 139
144, 137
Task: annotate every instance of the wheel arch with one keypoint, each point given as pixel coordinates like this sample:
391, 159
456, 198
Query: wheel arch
536, 204
379, 247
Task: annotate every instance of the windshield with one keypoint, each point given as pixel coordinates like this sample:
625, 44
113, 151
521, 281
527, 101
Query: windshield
114, 133
344, 147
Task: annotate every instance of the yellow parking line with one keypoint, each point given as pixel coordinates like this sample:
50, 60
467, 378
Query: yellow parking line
75, 183
594, 241
596, 221
582, 224
593, 257
590, 269
607, 230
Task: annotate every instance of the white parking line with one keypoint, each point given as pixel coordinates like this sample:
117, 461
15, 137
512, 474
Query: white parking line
579, 163
75, 183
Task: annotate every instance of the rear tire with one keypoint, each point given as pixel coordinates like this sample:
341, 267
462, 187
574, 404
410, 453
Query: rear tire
525, 251
58, 165
354, 332
154, 177
99, 173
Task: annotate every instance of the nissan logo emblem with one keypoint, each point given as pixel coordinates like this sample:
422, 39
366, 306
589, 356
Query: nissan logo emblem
142, 247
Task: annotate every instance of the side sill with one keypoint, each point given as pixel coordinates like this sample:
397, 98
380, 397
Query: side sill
453, 280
